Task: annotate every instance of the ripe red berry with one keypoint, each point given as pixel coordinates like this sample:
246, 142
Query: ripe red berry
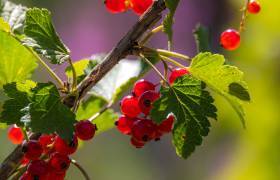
53, 175
143, 130
15, 135
254, 7
129, 106
230, 39
146, 99
38, 168
167, 125
32, 149
65, 147
140, 6
46, 142
116, 6
136, 143
85, 130
142, 86
177, 73
124, 124
24, 161
59, 162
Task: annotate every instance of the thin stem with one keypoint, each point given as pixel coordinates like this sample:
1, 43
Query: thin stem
150, 34
167, 59
26, 137
244, 16
49, 70
173, 54
20, 171
82, 170
105, 108
165, 71
74, 75
155, 69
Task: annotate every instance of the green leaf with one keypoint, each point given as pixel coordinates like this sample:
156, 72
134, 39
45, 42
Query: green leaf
3, 126
224, 79
79, 66
42, 36
14, 15
4, 26
169, 19
93, 105
16, 62
49, 114
192, 105
201, 35
19, 94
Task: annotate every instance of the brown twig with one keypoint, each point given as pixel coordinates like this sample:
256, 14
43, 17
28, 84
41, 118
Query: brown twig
123, 48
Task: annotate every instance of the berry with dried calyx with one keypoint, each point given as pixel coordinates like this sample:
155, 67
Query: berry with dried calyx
146, 99
65, 147
142, 86
124, 124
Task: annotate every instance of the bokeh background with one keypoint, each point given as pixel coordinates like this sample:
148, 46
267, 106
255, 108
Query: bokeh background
229, 152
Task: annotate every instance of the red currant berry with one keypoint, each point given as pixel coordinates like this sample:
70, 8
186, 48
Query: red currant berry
38, 168
254, 7
124, 124
24, 161
129, 106
26, 176
230, 39
15, 135
177, 73
65, 147
142, 86
140, 6
46, 142
138, 144
59, 162
116, 6
56, 176
32, 149
143, 130
146, 99
167, 125
85, 130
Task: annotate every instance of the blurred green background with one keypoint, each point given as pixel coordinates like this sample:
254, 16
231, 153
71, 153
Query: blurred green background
229, 152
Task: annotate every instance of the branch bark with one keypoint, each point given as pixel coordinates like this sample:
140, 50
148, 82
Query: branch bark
123, 48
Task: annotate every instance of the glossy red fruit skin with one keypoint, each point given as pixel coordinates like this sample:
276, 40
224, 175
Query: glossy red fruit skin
38, 168
137, 144
230, 39
32, 149
146, 100
143, 130
59, 162
142, 86
167, 125
178, 72
64, 147
15, 135
56, 176
254, 7
116, 6
140, 6
129, 106
124, 124
46, 142
85, 130
24, 161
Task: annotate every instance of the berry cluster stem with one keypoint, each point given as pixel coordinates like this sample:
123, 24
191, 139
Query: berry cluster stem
104, 109
150, 34
167, 59
74, 75
173, 54
81, 169
244, 16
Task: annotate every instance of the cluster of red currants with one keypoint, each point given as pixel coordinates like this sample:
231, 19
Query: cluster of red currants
119, 6
230, 38
136, 108
48, 157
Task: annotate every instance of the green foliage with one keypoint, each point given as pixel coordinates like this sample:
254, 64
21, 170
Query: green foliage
4, 26
19, 94
14, 15
169, 19
201, 35
42, 36
192, 105
79, 66
93, 105
17, 63
223, 79
48, 114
